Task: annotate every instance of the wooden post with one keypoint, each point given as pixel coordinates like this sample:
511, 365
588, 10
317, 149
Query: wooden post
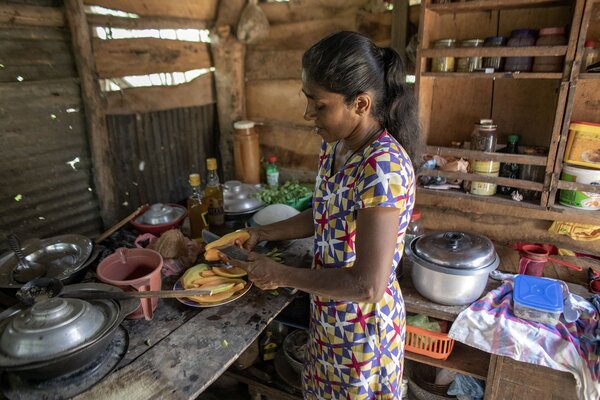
94, 111
400, 27
229, 61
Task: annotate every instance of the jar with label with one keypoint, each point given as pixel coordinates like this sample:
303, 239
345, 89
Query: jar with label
550, 37
590, 55
470, 64
484, 138
443, 64
246, 152
520, 38
497, 63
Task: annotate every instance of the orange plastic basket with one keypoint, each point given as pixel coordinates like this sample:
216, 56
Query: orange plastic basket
431, 344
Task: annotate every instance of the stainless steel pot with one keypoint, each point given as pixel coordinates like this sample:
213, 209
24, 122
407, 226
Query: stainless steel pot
451, 267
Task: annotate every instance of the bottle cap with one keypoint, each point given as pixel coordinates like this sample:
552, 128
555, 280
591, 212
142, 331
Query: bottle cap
211, 164
195, 179
243, 125
486, 122
416, 215
589, 44
513, 138
272, 159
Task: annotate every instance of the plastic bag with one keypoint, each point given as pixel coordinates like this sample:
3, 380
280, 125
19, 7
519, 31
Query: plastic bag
423, 322
466, 386
253, 25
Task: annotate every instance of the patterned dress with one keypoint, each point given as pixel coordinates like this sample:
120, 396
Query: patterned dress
356, 350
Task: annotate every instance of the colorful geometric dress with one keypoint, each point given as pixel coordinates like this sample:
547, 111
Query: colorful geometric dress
356, 350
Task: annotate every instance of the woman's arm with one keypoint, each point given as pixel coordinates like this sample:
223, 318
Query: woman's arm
296, 227
365, 281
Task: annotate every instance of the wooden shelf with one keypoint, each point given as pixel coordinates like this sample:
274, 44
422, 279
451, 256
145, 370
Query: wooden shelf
494, 75
464, 359
517, 183
529, 51
586, 187
487, 5
589, 75
491, 156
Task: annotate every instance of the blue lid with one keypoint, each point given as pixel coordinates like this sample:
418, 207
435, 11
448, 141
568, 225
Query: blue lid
539, 293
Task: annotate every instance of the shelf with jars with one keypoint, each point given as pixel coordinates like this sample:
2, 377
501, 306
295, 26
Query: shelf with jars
523, 82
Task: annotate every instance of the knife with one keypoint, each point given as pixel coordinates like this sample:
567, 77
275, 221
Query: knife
231, 251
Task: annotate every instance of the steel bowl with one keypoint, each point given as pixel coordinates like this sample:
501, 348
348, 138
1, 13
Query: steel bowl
451, 268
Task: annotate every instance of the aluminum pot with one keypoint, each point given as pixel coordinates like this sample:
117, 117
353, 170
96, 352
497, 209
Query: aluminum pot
451, 268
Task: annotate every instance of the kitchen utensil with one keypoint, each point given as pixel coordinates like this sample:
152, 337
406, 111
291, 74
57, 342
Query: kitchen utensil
534, 258
159, 219
451, 267
137, 269
119, 224
294, 349
238, 198
41, 289
26, 270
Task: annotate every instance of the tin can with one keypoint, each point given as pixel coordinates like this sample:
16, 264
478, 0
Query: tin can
443, 64
488, 168
494, 62
470, 64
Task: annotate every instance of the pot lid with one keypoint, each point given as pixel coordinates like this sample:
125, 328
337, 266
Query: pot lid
159, 214
238, 198
54, 328
455, 249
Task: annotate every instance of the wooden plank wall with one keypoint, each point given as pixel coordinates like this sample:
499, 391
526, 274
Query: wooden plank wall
273, 66
158, 134
42, 128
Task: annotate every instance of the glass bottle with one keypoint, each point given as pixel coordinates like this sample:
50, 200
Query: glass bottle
213, 194
197, 208
509, 170
484, 138
271, 171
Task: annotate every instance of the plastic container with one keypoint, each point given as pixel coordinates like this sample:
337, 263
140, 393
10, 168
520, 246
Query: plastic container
579, 199
537, 299
497, 63
550, 37
431, 344
520, 38
443, 64
583, 145
590, 55
246, 152
470, 64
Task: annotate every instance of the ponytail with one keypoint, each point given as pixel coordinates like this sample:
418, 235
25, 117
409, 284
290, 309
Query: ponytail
399, 114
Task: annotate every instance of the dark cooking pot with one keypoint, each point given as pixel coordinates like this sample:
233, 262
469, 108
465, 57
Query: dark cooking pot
57, 336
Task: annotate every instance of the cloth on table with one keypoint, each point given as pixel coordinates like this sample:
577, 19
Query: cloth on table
489, 324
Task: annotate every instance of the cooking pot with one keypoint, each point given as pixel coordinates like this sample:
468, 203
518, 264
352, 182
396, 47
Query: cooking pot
451, 268
57, 336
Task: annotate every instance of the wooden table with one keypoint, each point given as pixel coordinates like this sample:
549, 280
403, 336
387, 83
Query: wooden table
183, 350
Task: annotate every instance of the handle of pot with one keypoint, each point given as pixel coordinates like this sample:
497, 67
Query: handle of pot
146, 303
566, 264
122, 255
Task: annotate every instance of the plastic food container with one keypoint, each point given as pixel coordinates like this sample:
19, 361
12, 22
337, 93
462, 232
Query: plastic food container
583, 146
580, 199
537, 299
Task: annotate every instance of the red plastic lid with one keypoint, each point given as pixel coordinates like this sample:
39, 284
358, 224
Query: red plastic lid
415, 215
557, 30
589, 43
272, 159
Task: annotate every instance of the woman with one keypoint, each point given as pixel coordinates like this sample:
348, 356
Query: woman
364, 196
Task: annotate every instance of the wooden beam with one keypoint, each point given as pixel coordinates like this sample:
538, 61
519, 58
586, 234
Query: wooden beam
198, 92
148, 22
400, 27
94, 110
205, 9
273, 64
19, 14
280, 13
124, 57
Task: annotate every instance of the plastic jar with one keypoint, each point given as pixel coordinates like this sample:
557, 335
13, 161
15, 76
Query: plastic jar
469, 64
443, 64
550, 37
494, 62
246, 153
590, 55
520, 38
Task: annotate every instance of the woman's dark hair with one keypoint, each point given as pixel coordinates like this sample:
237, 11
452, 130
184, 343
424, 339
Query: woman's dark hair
349, 64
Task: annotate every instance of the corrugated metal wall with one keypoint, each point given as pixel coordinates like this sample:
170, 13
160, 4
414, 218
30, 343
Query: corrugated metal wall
154, 153
46, 185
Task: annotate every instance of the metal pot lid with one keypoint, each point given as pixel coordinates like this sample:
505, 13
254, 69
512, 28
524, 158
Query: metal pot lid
455, 249
238, 198
54, 328
159, 214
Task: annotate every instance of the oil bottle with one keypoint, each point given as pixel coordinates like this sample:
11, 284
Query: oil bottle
213, 194
197, 208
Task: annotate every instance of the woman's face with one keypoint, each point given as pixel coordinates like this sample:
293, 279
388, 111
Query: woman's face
333, 119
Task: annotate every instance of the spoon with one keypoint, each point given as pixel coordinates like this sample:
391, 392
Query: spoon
26, 270
41, 289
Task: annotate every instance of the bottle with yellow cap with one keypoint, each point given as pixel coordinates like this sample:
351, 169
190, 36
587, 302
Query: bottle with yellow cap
213, 194
197, 208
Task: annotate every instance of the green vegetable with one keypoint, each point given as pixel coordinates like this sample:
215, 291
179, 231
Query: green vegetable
289, 191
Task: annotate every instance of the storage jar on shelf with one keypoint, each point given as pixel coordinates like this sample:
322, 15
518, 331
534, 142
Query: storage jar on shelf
484, 138
497, 63
469, 64
550, 37
590, 55
580, 199
520, 38
443, 64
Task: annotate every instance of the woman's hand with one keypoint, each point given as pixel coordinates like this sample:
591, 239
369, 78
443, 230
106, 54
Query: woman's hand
255, 237
261, 270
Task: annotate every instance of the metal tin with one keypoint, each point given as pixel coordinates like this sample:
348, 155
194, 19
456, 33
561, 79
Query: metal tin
443, 64
470, 64
494, 62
